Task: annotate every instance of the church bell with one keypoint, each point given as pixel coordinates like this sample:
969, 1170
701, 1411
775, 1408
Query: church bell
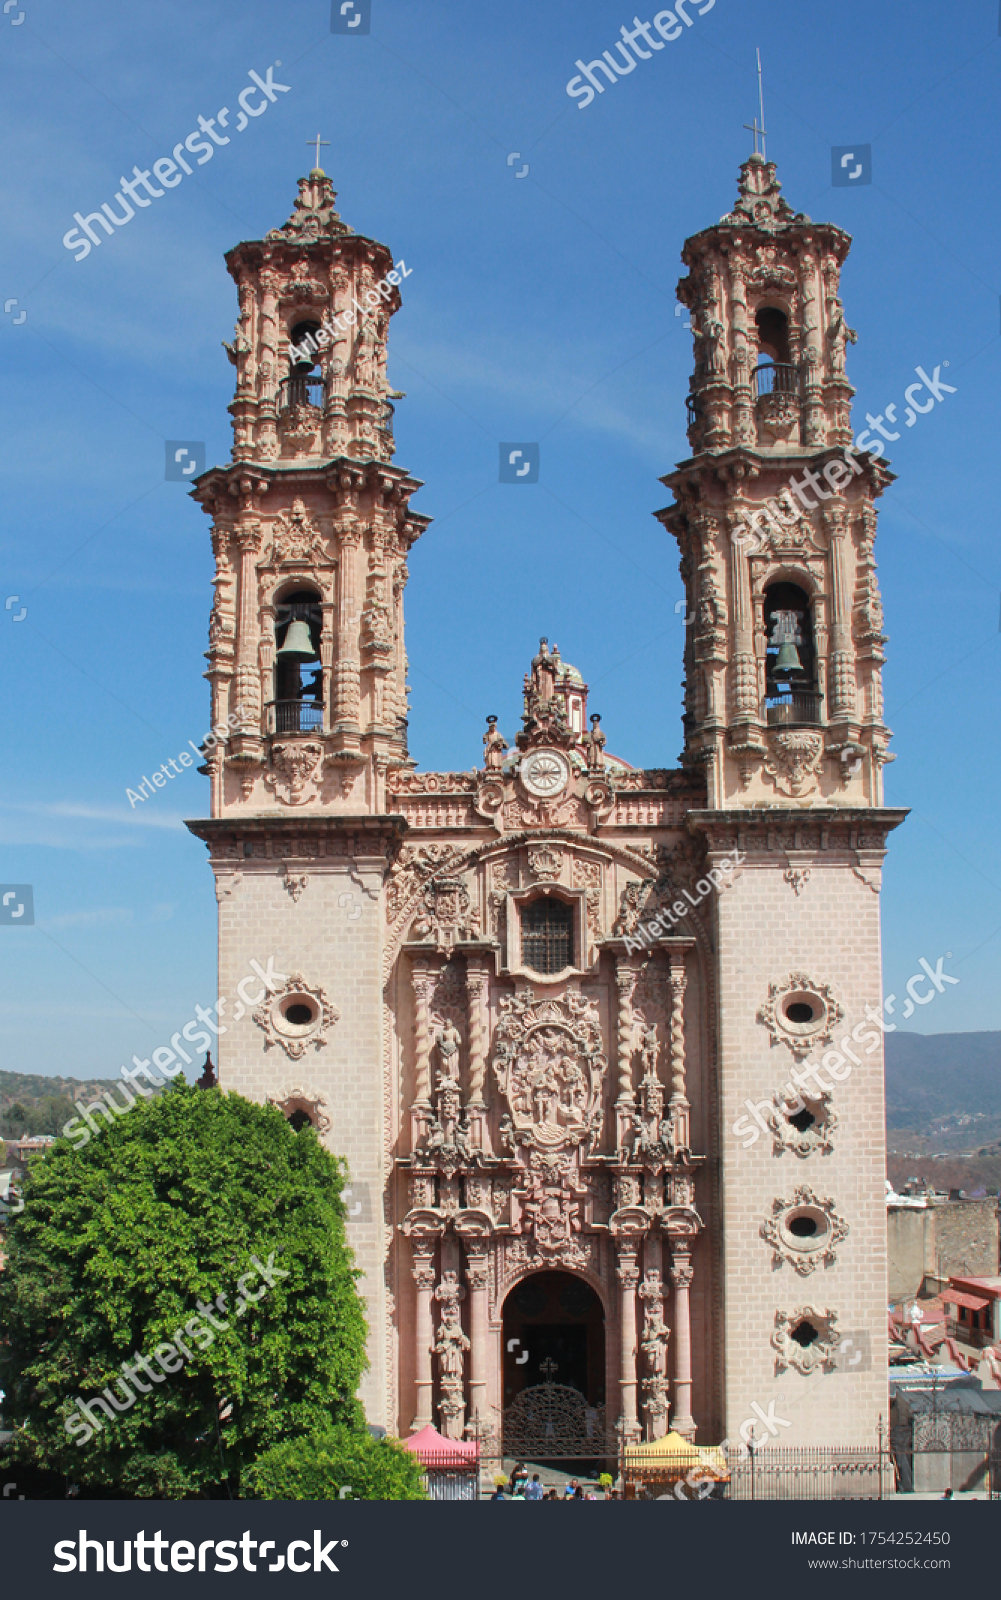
788, 659
298, 645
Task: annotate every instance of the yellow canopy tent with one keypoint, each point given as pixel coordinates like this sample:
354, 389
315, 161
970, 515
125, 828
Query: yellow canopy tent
670, 1460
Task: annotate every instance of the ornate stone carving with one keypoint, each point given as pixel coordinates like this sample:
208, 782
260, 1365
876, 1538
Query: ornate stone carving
792, 761
295, 1035
805, 1131
450, 1348
545, 863
292, 1097
401, 781
295, 537
447, 915
295, 883
550, 1068
797, 878
413, 864
792, 1331
801, 990
294, 769
653, 1347
587, 875
804, 1231
550, 1202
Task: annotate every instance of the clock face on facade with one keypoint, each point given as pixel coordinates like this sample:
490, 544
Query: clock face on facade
545, 773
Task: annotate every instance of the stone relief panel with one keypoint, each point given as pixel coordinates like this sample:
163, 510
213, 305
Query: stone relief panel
801, 1012
296, 1016
807, 1340
550, 1068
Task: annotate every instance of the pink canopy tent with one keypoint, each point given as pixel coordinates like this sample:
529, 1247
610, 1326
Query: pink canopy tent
440, 1454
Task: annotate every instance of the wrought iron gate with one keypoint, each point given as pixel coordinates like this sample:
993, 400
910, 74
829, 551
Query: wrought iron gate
552, 1422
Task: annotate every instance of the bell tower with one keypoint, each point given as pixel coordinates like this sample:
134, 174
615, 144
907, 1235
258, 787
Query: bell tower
311, 528
310, 525
775, 516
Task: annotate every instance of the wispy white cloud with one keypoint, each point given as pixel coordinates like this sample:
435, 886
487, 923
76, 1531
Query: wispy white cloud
140, 817
98, 917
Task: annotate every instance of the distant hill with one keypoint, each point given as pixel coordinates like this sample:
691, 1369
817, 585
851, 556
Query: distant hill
935, 1075
31, 1103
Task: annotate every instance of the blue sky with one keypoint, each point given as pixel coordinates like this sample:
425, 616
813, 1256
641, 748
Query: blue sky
538, 309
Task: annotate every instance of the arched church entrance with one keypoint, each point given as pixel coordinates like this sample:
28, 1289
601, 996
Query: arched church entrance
554, 1374
554, 1331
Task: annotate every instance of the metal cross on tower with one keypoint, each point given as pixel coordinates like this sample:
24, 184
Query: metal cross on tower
318, 141
752, 127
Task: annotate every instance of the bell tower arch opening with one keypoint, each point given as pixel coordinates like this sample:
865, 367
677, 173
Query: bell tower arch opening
298, 681
554, 1331
792, 692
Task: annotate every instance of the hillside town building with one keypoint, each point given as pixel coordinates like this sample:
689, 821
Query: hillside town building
535, 1093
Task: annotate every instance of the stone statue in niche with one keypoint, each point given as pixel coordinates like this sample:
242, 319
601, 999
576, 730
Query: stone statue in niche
449, 1041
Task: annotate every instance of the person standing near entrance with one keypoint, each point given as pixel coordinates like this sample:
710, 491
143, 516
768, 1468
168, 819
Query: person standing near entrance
534, 1490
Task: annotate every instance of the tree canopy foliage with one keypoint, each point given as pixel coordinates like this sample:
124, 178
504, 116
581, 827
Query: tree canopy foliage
144, 1241
338, 1458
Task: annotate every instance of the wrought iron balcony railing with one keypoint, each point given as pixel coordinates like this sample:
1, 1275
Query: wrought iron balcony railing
796, 709
301, 389
776, 377
295, 716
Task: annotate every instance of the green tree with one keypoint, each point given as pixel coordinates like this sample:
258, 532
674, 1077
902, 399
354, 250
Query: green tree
339, 1458
119, 1241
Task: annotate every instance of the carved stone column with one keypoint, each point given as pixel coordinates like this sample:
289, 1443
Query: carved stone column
477, 992
347, 673
654, 1351
477, 1280
450, 1349
424, 1246
841, 679
678, 1104
744, 672
423, 984
627, 1273
626, 973
681, 1280
248, 538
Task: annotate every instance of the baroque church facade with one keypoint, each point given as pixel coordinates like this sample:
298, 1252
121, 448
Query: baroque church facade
533, 1002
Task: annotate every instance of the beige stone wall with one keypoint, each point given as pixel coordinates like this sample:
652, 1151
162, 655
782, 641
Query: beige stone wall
910, 1232
338, 947
829, 931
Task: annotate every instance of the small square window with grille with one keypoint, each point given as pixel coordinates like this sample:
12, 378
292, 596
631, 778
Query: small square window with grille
547, 935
